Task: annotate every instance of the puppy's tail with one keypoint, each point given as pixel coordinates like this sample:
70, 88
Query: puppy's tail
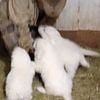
84, 62
87, 52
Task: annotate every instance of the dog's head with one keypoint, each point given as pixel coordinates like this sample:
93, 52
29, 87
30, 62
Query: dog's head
20, 58
50, 33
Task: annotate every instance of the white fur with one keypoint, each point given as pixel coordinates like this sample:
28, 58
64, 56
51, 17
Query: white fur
69, 52
56, 81
19, 79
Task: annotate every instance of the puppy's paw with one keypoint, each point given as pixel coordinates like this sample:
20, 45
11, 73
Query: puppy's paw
84, 62
41, 89
87, 66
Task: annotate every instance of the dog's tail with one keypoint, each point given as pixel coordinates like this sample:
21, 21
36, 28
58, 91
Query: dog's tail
87, 52
84, 62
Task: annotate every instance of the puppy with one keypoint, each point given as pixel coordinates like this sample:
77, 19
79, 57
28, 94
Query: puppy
69, 52
56, 81
19, 79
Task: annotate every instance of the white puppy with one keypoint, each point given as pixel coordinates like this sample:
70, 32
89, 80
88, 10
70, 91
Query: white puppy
69, 52
56, 81
19, 79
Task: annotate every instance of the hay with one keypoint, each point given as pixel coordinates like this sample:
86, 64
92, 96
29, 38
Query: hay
86, 82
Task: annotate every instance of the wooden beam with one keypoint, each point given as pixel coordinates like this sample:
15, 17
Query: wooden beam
86, 38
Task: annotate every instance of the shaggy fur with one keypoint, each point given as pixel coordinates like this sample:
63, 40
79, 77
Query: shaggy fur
56, 81
69, 52
19, 79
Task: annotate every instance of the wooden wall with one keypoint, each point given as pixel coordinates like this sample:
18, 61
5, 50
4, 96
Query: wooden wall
80, 15
80, 21
85, 38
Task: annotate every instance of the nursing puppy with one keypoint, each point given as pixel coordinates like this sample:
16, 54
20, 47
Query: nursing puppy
69, 52
19, 79
56, 81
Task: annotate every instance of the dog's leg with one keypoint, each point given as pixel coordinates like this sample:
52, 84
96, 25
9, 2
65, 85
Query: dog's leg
67, 97
28, 98
71, 69
41, 89
84, 62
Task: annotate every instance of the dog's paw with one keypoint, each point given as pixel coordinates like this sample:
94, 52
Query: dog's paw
87, 65
41, 89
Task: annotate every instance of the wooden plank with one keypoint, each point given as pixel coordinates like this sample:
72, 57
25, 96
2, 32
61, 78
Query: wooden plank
80, 15
89, 14
69, 17
86, 38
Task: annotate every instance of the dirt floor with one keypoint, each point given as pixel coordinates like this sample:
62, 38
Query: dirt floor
86, 83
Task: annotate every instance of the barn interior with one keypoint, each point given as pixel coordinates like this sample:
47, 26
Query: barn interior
79, 21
